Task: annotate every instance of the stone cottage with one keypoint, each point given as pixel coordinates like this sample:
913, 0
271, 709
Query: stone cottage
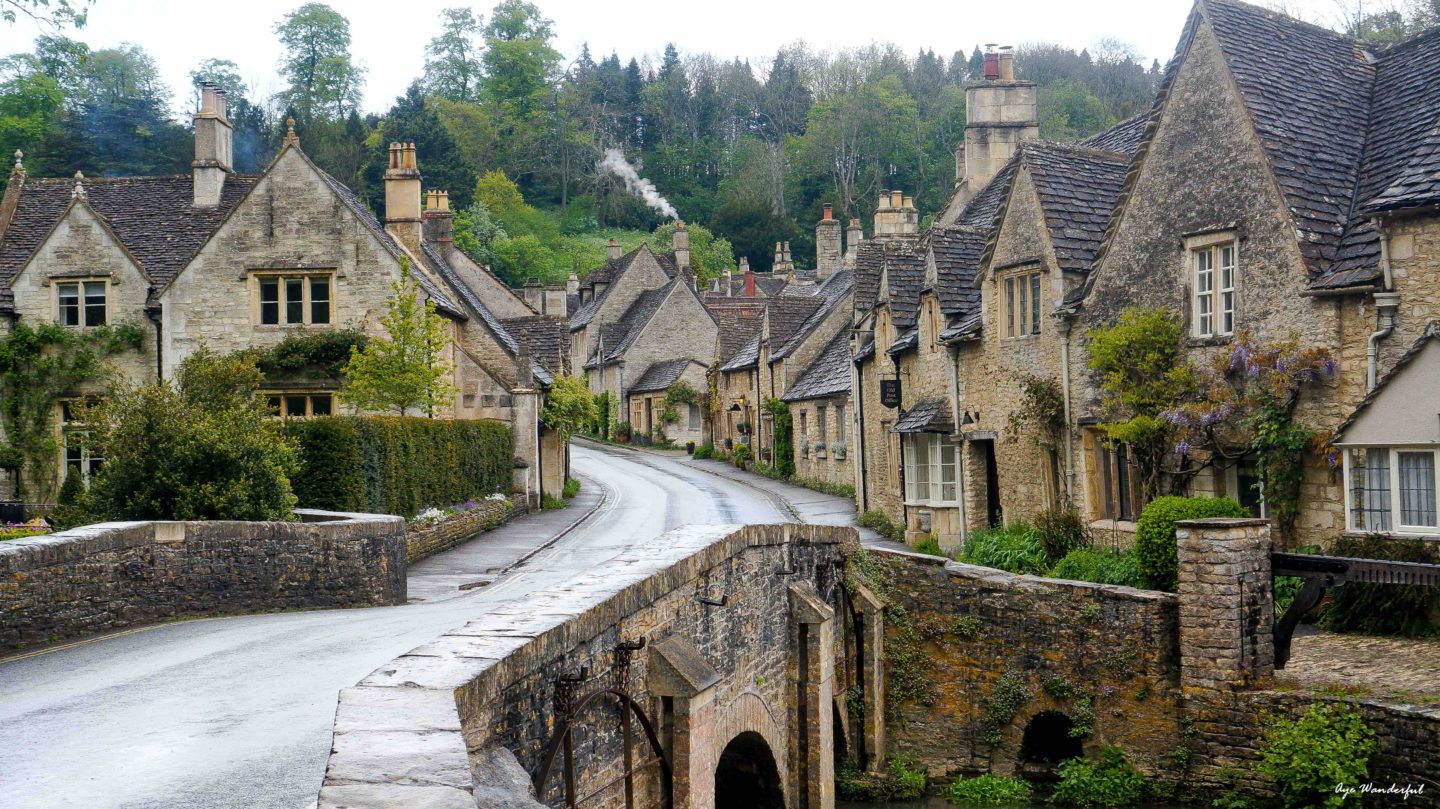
230, 261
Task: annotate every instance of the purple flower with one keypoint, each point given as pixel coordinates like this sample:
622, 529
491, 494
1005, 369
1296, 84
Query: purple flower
1182, 448
1330, 366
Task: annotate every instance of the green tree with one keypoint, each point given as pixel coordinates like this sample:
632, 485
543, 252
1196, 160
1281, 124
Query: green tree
30, 107
56, 15
519, 62
414, 119
406, 369
200, 448
322, 81
710, 255
452, 65
569, 407
1068, 110
249, 119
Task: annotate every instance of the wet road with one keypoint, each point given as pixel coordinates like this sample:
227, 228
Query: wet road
236, 712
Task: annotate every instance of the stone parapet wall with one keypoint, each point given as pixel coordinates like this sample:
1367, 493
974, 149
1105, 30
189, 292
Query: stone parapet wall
1053, 643
424, 539
114, 575
467, 717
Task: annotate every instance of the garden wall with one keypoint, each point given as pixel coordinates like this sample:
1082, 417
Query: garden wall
980, 652
120, 574
424, 539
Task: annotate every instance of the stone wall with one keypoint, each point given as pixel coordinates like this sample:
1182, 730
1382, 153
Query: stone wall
115, 575
424, 539
996, 649
467, 718
830, 465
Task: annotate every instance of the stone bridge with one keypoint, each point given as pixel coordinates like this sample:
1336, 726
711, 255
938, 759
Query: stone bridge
708, 668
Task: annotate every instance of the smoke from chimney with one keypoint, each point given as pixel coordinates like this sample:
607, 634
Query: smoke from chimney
615, 163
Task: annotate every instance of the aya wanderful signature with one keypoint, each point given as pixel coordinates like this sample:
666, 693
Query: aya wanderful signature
1404, 792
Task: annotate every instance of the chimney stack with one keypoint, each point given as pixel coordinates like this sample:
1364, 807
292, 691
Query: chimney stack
749, 290
612, 251
439, 222
534, 295
728, 278
1000, 115
827, 244
555, 297
680, 243
402, 196
214, 156
896, 217
572, 284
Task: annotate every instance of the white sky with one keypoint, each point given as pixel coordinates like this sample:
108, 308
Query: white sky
389, 37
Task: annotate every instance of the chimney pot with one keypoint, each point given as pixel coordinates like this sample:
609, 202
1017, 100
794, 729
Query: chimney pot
992, 66
828, 212
897, 198
1007, 63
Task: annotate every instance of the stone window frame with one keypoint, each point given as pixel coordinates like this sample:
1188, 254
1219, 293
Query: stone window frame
80, 282
1211, 244
1393, 513
1018, 291
279, 401
307, 278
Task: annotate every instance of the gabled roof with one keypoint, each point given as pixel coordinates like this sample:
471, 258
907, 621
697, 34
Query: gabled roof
1123, 137
956, 252
830, 293
1079, 188
546, 338
1432, 332
736, 331
785, 316
661, 375
1402, 161
153, 217
905, 274
616, 338
828, 375
748, 356
907, 340
608, 274
869, 264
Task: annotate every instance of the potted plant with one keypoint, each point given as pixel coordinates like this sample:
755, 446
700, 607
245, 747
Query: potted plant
689, 447
804, 449
820, 450
837, 449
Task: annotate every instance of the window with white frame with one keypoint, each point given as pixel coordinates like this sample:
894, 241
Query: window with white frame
1392, 489
1214, 279
930, 469
82, 454
294, 300
1022, 304
80, 303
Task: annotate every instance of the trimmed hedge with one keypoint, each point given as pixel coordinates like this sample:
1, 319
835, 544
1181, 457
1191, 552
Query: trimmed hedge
399, 465
1155, 534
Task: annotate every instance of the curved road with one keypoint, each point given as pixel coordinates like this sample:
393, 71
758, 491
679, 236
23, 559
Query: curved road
236, 712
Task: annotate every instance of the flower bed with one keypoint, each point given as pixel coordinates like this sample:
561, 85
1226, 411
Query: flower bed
437, 529
20, 530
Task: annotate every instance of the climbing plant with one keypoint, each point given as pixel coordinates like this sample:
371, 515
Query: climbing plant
569, 407
324, 351
679, 393
39, 366
1040, 412
782, 437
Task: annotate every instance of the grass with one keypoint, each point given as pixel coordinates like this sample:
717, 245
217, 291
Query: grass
572, 488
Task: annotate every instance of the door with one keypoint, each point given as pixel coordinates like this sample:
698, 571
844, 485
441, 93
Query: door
994, 516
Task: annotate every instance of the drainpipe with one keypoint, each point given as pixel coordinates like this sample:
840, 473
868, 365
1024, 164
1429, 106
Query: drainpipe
1386, 305
1064, 323
855, 390
955, 420
159, 350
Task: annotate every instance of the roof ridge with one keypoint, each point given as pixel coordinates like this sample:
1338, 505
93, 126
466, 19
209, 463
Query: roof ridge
1280, 15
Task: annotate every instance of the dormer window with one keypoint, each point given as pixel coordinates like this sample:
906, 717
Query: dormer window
1022, 304
1214, 280
80, 303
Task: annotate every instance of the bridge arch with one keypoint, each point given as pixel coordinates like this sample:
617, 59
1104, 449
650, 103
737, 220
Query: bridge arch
746, 776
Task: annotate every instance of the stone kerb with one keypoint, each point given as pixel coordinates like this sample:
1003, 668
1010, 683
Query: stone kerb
119, 574
449, 755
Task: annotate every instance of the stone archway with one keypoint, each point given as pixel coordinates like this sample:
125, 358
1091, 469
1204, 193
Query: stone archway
1048, 740
746, 776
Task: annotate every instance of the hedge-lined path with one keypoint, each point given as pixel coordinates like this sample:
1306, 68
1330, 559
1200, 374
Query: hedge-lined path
237, 712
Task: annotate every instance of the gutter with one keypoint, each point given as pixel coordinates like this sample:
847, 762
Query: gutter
1387, 304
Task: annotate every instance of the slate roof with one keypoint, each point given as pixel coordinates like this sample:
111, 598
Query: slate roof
966, 328
905, 272
546, 338
1123, 137
736, 332
956, 252
926, 416
906, 341
660, 375
1079, 188
828, 375
153, 217
982, 209
748, 356
866, 349
786, 316
1402, 166
869, 263
617, 337
608, 273
830, 293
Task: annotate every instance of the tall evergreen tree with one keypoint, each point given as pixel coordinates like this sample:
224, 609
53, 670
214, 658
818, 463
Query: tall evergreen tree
413, 118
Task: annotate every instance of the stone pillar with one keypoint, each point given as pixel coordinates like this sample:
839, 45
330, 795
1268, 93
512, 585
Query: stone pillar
524, 417
872, 666
827, 244
813, 678
1226, 606
685, 683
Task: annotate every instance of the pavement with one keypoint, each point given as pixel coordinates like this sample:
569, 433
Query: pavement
237, 711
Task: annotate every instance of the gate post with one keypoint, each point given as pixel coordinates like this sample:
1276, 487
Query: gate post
679, 675
813, 630
1227, 610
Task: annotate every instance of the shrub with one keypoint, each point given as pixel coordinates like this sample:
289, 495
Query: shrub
704, 451
1328, 746
622, 431
880, 523
72, 505
1015, 547
550, 502
1155, 533
743, 455
903, 782
1101, 566
1111, 781
928, 544
1383, 609
200, 448
572, 488
989, 790
1062, 530
399, 465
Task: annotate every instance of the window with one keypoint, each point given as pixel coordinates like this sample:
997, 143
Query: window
840, 430
81, 303
1214, 282
300, 405
693, 416
1117, 498
1392, 489
82, 457
804, 429
1022, 305
820, 431
930, 469
297, 300
1242, 483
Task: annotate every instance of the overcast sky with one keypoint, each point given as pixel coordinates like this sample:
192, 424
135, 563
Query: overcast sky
389, 37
